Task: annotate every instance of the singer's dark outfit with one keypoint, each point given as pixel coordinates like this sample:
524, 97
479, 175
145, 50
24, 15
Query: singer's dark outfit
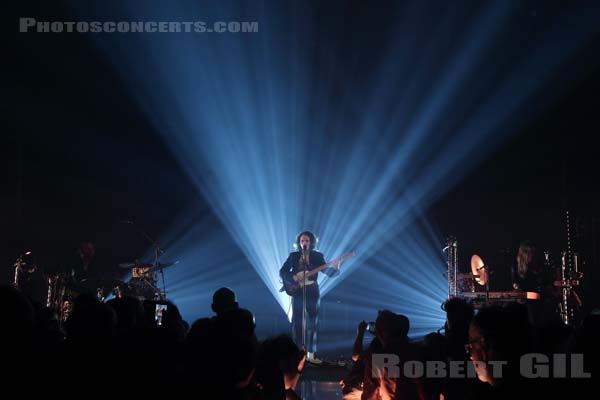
290, 267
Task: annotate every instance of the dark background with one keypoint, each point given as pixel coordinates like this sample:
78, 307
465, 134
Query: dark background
80, 157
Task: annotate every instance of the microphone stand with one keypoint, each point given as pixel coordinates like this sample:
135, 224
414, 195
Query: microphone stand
487, 287
304, 264
487, 282
157, 250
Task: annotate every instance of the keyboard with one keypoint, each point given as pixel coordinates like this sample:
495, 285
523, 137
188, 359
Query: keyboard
502, 296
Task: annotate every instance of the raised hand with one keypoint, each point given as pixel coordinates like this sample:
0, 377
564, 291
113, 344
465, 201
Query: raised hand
362, 328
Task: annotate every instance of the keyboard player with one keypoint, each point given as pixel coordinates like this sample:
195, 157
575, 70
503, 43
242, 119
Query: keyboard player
526, 274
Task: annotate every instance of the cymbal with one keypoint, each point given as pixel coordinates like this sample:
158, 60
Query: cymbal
166, 265
478, 268
161, 266
129, 265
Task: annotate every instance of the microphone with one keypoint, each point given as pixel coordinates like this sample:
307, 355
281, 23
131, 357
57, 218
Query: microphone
305, 250
305, 253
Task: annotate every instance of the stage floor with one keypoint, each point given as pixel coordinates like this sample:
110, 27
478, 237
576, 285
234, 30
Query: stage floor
322, 382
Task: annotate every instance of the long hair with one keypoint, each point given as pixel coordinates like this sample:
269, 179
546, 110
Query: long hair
526, 259
313, 240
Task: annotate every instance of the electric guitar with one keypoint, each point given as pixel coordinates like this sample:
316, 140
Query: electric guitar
298, 280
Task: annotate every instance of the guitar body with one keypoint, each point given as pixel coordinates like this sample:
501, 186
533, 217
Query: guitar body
296, 284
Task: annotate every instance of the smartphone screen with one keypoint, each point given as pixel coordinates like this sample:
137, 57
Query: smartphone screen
158, 313
371, 327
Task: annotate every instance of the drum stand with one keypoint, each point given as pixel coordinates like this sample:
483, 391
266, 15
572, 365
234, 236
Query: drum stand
487, 282
161, 294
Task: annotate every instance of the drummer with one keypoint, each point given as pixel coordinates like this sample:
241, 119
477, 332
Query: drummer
85, 274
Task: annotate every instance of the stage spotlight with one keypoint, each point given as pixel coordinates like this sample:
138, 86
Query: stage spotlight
279, 136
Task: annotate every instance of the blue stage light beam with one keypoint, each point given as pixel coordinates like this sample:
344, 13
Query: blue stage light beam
406, 276
200, 258
347, 152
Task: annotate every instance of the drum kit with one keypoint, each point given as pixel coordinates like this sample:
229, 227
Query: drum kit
144, 281
58, 290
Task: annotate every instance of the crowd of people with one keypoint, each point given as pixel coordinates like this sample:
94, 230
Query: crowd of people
118, 347
496, 352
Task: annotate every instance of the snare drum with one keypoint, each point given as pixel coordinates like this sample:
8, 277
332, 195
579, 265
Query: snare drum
141, 289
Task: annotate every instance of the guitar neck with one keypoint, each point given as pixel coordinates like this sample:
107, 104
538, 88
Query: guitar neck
319, 269
322, 267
